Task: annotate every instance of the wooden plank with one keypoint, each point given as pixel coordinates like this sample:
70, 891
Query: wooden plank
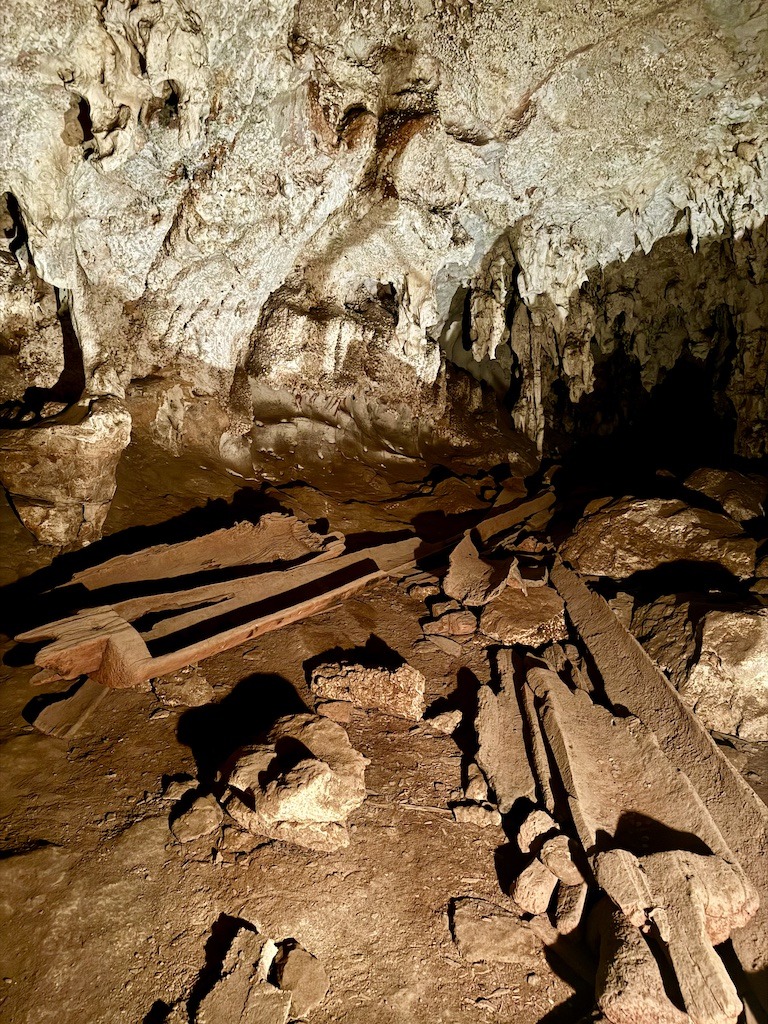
632, 681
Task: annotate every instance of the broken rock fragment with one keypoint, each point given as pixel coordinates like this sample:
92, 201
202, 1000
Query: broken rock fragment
453, 624
397, 691
300, 785
243, 993
630, 535
531, 619
472, 579
533, 888
484, 932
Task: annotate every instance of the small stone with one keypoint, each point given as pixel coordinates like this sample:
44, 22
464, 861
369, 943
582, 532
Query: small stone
443, 607
178, 788
447, 722
538, 824
301, 974
158, 714
476, 789
533, 980
532, 890
558, 853
484, 932
423, 591
202, 819
476, 814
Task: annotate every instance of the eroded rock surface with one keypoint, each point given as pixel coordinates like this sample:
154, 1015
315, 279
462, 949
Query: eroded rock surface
60, 476
632, 535
485, 932
741, 496
533, 618
397, 691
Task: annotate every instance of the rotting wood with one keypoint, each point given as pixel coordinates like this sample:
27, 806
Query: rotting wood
631, 681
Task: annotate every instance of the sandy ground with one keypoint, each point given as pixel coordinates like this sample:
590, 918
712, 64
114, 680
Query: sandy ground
106, 917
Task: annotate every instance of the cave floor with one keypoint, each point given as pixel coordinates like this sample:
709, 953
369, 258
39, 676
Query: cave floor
106, 917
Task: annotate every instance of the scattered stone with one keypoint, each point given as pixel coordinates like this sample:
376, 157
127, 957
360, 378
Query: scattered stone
178, 788
60, 476
484, 932
186, 688
536, 826
303, 976
397, 691
472, 579
481, 815
531, 619
560, 853
462, 623
533, 888
201, 819
447, 722
727, 687
632, 535
306, 802
740, 495
476, 789
423, 591
337, 710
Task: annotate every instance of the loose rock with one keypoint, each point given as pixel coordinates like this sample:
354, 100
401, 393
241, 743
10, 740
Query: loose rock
533, 888
201, 819
531, 619
484, 932
398, 691
740, 495
303, 976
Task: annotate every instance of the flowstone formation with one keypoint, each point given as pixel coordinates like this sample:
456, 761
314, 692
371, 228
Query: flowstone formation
316, 209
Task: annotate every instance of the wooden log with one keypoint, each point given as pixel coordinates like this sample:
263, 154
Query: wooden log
632, 681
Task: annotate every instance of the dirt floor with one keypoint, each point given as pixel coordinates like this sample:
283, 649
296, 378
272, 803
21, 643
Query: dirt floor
106, 917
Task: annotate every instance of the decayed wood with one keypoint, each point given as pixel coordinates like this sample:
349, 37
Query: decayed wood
275, 537
632, 681
102, 644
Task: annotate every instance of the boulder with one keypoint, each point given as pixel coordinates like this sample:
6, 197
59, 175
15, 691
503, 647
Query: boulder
398, 691
727, 687
531, 619
60, 476
741, 496
300, 785
620, 538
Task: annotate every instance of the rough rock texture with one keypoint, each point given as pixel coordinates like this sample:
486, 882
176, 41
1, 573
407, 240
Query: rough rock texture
302, 976
311, 198
471, 579
243, 993
739, 495
727, 687
665, 629
299, 785
60, 476
397, 691
483, 932
533, 619
632, 535
501, 749
202, 818
533, 888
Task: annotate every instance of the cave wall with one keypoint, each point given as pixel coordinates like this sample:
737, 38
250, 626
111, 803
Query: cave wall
335, 200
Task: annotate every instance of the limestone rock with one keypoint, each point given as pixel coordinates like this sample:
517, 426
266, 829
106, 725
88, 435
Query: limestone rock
531, 619
471, 579
665, 630
481, 815
337, 710
484, 932
537, 825
397, 691
636, 534
533, 888
303, 977
728, 685
60, 476
186, 688
307, 801
201, 819
476, 788
447, 722
560, 854
243, 994
501, 751
741, 496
